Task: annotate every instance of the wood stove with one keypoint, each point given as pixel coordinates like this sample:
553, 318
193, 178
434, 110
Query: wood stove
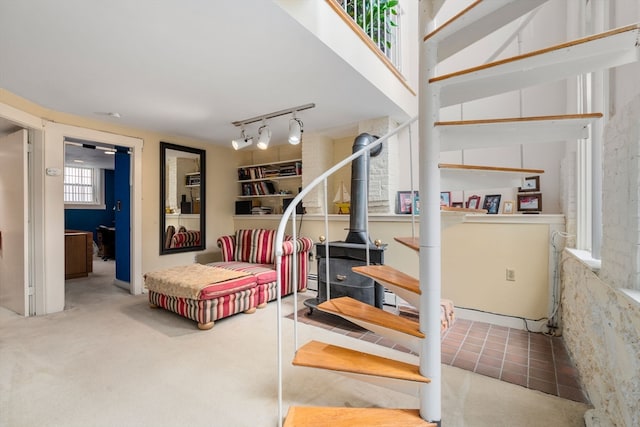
352, 252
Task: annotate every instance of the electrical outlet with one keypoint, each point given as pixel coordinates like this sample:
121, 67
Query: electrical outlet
511, 275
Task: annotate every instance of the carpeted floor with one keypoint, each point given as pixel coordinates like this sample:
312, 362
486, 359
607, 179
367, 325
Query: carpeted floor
527, 359
110, 360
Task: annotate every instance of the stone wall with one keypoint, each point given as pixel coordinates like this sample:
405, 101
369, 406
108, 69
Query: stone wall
601, 331
620, 199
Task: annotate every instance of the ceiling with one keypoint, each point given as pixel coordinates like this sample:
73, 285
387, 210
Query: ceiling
185, 68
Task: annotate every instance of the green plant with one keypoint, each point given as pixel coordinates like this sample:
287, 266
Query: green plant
376, 18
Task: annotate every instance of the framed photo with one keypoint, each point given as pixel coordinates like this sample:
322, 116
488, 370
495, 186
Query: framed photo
457, 204
405, 202
445, 198
473, 202
531, 183
492, 203
530, 202
507, 207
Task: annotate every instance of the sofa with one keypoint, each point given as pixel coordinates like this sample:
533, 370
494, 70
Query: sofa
181, 238
244, 280
253, 251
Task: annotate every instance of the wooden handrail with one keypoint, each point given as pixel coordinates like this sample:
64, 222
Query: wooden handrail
456, 17
521, 119
370, 44
489, 168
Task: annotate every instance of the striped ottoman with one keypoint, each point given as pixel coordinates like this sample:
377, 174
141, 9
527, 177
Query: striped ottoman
202, 293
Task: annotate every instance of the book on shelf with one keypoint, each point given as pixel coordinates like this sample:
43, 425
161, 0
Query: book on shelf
261, 188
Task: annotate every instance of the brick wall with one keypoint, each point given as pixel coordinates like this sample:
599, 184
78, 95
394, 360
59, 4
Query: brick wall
384, 168
600, 330
601, 323
621, 187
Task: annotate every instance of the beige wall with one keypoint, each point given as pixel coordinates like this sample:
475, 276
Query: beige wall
220, 196
475, 257
474, 262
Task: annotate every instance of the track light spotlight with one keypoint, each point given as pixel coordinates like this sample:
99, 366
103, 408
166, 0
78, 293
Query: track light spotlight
264, 136
243, 142
295, 131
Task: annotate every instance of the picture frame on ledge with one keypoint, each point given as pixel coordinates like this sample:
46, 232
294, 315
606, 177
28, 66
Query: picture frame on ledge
530, 183
445, 198
492, 203
473, 202
507, 207
405, 202
530, 203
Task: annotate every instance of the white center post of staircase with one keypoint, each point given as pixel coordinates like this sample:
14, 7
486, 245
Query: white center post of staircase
429, 254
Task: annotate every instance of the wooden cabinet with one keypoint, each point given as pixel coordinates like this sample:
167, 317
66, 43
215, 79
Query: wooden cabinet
78, 253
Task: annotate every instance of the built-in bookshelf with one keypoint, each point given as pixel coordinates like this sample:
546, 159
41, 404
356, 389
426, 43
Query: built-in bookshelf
192, 179
275, 179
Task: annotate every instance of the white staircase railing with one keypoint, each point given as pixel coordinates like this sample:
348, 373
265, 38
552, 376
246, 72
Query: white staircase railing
290, 213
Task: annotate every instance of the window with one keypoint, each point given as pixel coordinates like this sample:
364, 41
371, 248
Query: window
82, 188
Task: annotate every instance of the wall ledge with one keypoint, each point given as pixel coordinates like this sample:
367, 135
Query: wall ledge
470, 218
632, 295
585, 258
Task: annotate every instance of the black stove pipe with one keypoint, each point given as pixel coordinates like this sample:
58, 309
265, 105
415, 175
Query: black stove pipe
359, 196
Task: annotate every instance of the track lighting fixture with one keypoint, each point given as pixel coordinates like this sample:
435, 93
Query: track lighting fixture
243, 142
295, 130
264, 136
264, 132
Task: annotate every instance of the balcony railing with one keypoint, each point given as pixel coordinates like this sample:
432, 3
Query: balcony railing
380, 21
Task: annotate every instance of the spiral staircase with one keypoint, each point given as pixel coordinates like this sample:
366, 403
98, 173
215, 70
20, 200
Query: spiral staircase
609, 49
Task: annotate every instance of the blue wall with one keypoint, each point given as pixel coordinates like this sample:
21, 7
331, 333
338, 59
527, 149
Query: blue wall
90, 219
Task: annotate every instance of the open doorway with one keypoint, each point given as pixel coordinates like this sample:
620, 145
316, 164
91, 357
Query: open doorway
90, 210
46, 261
129, 150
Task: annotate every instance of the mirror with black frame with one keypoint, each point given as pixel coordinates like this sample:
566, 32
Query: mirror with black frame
182, 198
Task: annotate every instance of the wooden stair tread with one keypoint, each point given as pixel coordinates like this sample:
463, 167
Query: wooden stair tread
411, 242
351, 308
388, 274
489, 133
307, 416
605, 50
316, 354
476, 21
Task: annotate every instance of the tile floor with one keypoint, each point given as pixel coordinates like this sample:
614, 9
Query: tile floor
531, 360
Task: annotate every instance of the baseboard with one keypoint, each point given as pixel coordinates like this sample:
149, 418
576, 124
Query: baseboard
121, 284
501, 320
